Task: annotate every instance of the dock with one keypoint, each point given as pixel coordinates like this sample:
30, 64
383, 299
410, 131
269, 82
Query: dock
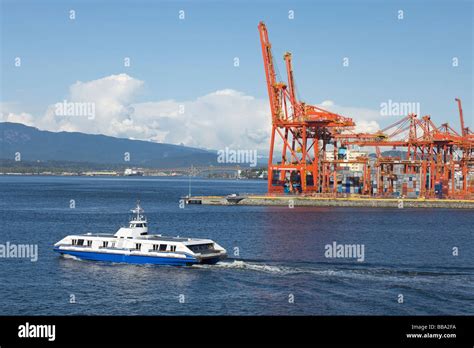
312, 201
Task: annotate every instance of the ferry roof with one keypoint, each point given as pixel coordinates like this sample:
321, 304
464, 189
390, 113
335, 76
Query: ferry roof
156, 237
173, 239
150, 237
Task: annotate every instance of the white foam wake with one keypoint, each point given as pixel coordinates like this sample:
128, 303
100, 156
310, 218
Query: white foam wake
72, 257
238, 264
361, 274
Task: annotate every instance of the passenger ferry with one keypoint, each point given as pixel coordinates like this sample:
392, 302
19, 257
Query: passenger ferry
133, 244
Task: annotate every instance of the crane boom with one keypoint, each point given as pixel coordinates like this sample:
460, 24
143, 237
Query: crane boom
461, 117
272, 86
291, 82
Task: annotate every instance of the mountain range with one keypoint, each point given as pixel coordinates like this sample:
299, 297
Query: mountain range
35, 145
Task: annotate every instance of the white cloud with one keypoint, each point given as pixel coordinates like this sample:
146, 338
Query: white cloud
9, 112
216, 120
224, 118
23, 117
111, 97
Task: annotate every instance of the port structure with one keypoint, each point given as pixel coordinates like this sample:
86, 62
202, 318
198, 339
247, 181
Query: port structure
298, 125
313, 141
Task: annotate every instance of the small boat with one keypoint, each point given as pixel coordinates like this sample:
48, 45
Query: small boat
234, 198
133, 244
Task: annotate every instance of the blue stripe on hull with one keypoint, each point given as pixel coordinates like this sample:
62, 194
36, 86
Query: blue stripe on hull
135, 259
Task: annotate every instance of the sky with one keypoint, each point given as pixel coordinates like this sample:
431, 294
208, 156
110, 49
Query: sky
182, 85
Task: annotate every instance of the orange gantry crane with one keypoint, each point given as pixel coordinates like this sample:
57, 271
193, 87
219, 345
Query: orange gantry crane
297, 126
441, 157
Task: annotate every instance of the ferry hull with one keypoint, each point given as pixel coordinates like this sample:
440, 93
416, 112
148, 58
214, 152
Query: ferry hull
211, 260
133, 259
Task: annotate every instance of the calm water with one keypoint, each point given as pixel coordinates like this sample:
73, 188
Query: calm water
281, 252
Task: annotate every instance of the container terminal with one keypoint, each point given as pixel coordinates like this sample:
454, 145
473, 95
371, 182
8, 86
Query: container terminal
317, 158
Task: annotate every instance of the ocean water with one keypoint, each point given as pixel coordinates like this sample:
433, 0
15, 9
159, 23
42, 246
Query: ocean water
280, 268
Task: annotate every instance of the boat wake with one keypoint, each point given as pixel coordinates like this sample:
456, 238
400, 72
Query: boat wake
239, 264
71, 257
324, 270
262, 267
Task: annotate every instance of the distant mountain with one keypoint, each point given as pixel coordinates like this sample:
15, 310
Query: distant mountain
37, 145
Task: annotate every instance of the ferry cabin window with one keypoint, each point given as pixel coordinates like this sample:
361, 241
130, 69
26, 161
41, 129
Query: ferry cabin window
138, 246
105, 244
89, 243
173, 247
201, 247
80, 242
163, 247
155, 247
74, 242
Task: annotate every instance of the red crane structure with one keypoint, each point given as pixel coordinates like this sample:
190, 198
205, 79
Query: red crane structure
298, 126
310, 138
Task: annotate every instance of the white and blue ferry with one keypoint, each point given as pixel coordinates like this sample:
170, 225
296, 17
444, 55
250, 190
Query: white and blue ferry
133, 244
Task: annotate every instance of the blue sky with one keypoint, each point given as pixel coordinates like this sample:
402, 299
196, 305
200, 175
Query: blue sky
401, 60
